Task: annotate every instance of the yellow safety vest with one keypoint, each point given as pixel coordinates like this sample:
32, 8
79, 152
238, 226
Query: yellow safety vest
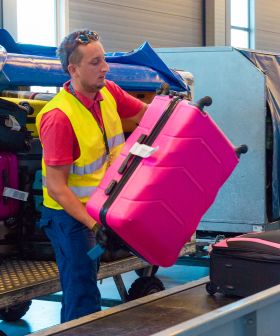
88, 170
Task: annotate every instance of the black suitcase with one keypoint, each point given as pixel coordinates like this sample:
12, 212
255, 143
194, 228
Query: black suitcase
31, 162
14, 135
246, 264
36, 246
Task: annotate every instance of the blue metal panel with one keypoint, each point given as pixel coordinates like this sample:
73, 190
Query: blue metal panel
237, 88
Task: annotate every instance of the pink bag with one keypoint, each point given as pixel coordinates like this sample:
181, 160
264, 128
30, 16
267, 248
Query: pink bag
153, 199
9, 179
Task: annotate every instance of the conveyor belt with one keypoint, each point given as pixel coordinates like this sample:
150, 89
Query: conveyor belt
147, 315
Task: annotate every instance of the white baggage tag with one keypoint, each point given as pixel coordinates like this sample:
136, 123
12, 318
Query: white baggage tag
210, 248
143, 151
17, 194
12, 122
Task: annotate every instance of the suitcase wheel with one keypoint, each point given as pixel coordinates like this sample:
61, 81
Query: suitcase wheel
11, 222
14, 313
243, 149
211, 288
30, 109
144, 286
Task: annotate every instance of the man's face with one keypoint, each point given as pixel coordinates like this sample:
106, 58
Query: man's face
92, 70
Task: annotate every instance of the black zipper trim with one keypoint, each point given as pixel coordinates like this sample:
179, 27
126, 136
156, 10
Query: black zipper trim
231, 252
130, 170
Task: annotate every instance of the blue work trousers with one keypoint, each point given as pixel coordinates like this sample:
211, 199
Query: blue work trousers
78, 273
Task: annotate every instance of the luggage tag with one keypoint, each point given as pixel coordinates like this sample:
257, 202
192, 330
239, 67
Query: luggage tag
96, 252
12, 122
16, 194
143, 151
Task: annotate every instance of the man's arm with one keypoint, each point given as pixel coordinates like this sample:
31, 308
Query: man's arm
58, 190
130, 124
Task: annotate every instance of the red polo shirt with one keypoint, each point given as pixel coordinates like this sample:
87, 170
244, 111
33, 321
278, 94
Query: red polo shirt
57, 134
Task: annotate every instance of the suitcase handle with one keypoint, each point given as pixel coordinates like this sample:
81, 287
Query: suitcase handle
123, 167
6, 185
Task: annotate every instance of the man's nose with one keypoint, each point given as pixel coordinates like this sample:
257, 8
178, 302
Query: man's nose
105, 67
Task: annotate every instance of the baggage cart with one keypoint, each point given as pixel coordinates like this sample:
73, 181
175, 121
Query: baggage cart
23, 280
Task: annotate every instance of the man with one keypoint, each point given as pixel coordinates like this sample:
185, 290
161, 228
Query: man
81, 134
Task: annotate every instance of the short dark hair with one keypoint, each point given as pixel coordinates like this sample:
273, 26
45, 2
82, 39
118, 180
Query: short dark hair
62, 51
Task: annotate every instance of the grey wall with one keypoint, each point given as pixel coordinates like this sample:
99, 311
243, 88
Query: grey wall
267, 21
125, 24
215, 22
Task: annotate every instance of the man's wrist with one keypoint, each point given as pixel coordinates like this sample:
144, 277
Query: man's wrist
95, 227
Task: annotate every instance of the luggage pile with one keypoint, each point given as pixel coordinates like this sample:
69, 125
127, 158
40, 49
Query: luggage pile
21, 194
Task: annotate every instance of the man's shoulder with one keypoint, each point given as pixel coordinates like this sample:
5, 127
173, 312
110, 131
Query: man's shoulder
55, 116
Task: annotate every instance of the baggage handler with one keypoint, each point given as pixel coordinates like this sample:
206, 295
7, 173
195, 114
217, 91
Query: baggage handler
81, 134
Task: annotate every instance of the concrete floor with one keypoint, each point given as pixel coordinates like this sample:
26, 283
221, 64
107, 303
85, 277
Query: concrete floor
44, 314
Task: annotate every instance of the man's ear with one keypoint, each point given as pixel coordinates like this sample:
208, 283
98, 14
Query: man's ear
72, 68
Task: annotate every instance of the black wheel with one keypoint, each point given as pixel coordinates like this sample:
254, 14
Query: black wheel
30, 109
2, 333
140, 272
15, 312
11, 222
26, 147
211, 288
144, 286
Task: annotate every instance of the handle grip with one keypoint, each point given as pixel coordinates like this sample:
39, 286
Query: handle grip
164, 89
129, 157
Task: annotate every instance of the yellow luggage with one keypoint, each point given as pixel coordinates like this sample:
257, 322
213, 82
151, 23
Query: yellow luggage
31, 119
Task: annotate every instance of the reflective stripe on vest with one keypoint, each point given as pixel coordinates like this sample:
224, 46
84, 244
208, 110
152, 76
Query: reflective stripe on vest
78, 191
83, 191
97, 164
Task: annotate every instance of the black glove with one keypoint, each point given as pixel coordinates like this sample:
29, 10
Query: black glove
105, 238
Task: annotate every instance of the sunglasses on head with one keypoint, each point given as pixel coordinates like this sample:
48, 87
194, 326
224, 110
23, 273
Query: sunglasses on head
84, 39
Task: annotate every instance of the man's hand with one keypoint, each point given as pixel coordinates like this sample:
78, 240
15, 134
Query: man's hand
105, 238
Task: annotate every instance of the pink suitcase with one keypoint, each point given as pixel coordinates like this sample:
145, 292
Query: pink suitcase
153, 205
8, 178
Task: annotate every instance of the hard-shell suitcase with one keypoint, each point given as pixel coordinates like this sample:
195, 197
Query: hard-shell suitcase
13, 131
153, 204
8, 179
246, 264
37, 106
32, 161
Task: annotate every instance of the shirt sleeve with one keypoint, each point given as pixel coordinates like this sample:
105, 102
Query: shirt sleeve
58, 138
127, 106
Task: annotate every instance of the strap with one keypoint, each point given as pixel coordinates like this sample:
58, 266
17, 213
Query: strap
13, 123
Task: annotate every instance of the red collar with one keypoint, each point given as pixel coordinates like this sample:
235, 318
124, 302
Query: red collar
88, 103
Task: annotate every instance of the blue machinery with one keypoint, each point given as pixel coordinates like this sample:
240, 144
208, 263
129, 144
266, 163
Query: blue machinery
245, 88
